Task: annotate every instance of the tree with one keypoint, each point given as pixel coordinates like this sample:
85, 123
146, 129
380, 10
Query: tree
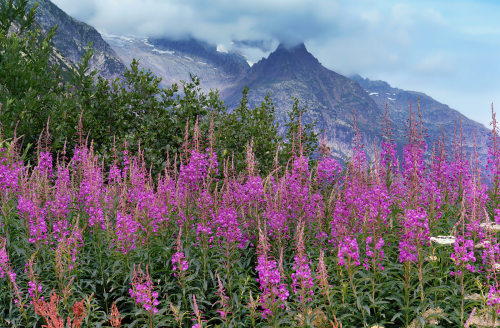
299, 137
244, 125
30, 88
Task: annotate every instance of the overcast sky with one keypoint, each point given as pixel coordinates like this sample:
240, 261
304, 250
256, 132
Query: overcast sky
447, 49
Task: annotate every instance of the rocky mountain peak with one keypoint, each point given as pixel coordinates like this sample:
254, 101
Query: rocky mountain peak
287, 63
72, 38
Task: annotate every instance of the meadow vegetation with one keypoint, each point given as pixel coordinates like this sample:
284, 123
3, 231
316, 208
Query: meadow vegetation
123, 204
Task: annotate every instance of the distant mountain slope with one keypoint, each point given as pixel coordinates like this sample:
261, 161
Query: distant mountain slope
231, 63
173, 61
330, 98
435, 115
73, 37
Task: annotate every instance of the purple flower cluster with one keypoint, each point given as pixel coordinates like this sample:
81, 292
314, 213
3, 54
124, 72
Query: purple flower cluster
227, 226
415, 234
143, 291
9, 175
35, 288
179, 262
374, 251
302, 278
36, 217
348, 254
463, 255
44, 166
61, 203
4, 259
494, 297
91, 191
274, 291
6, 270
328, 171
126, 232
192, 175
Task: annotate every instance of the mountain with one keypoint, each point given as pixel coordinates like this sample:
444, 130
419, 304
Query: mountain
331, 98
437, 117
73, 37
287, 72
175, 60
231, 63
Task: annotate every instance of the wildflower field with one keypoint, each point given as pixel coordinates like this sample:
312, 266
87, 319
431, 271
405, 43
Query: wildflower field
395, 242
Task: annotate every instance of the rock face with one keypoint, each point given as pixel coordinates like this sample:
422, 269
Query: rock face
174, 61
438, 118
73, 37
331, 98
231, 63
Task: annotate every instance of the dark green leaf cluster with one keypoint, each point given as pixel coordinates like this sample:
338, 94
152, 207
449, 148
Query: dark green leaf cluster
41, 91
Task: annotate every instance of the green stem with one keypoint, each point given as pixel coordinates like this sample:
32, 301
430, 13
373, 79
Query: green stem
100, 268
407, 292
351, 281
462, 297
420, 279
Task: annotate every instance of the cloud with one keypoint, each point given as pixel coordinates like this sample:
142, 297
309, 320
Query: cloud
440, 62
219, 21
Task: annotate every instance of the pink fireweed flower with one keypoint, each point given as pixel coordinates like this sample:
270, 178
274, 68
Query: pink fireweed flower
204, 231
374, 251
348, 255
302, 278
415, 234
223, 302
61, 203
192, 175
227, 226
494, 297
143, 290
463, 255
44, 166
6, 271
35, 288
328, 171
273, 290
491, 254
126, 232
179, 263
91, 191
277, 223
36, 217
197, 313
4, 258
9, 175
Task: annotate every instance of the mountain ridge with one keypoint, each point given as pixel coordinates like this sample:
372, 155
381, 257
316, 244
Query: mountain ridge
331, 98
73, 37
437, 117
288, 72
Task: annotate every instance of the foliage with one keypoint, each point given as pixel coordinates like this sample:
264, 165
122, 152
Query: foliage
131, 113
310, 246
246, 127
300, 137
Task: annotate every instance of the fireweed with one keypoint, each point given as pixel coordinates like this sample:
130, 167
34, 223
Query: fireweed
250, 239
142, 291
274, 292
